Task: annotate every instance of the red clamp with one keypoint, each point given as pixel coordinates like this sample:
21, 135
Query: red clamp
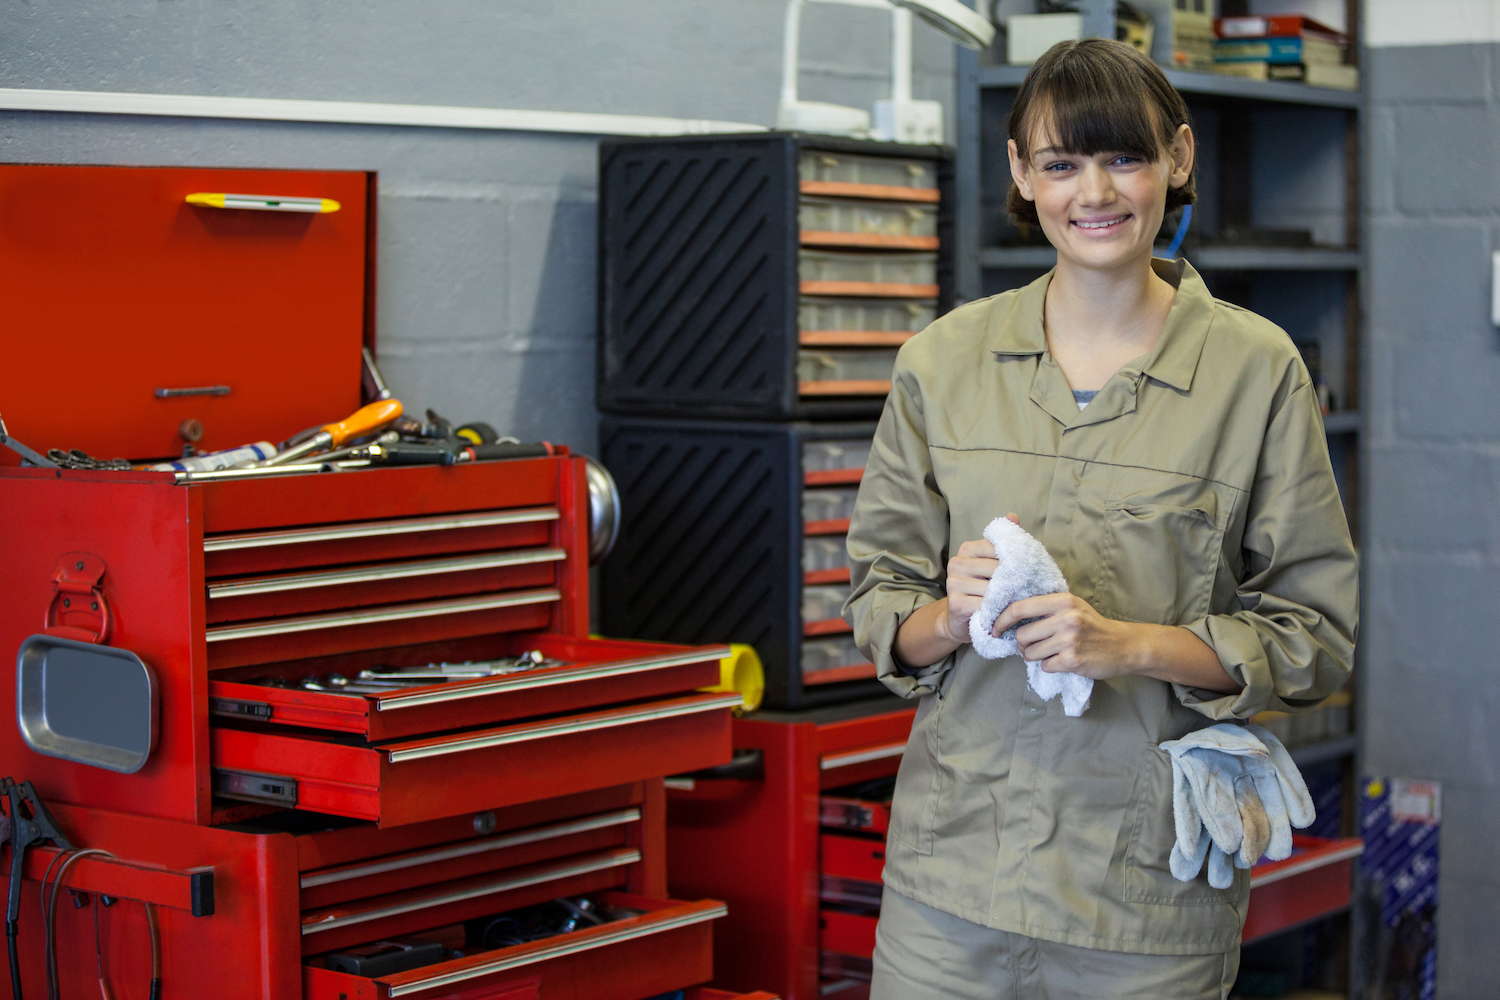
77, 597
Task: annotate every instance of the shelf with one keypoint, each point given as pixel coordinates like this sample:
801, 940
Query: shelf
1209, 84
1208, 258
1319, 753
1343, 422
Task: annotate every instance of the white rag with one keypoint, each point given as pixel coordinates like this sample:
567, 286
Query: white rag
1025, 570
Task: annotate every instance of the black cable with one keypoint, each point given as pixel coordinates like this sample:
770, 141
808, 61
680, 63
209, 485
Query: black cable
49, 916
155, 991
15, 963
46, 925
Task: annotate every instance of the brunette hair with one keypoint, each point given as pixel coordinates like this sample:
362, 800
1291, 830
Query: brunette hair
1100, 96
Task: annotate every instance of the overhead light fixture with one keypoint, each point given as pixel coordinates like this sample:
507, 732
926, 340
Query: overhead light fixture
901, 118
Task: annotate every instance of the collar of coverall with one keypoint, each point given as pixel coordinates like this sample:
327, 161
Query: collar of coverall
1174, 359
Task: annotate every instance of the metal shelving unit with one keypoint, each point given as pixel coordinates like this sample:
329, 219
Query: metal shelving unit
1211, 84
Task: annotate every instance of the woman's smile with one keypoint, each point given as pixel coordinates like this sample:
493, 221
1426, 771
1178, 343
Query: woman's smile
1101, 225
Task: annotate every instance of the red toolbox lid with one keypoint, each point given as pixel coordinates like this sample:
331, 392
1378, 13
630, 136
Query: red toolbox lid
115, 288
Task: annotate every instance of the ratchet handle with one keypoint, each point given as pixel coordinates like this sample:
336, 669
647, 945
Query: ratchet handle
485, 452
411, 454
364, 420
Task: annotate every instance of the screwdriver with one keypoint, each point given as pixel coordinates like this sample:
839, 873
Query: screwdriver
360, 422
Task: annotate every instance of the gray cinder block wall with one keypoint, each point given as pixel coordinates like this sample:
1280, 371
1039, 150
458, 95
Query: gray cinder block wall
486, 239
1431, 632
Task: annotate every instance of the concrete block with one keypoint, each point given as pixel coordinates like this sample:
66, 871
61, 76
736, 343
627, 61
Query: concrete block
1468, 885
1429, 635
443, 269
1433, 500
1446, 156
552, 269
1427, 74
1428, 279
1380, 147
1445, 389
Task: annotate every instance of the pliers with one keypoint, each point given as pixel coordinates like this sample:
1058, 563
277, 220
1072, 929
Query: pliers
22, 829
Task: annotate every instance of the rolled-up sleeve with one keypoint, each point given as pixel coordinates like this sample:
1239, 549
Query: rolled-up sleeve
1291, 644
898, 538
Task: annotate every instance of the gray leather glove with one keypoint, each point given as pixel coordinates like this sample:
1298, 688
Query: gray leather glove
1235, 795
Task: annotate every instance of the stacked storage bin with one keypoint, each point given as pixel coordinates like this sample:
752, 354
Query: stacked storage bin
754, 292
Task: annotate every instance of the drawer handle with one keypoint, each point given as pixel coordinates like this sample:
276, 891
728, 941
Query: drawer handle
387, 571
588, 940
862, 756
521, 682
377, 529
531, 836
388, 613
196, 390
567, 727
590, 863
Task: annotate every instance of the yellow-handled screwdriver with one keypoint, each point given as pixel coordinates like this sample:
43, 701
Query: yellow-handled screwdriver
359, 423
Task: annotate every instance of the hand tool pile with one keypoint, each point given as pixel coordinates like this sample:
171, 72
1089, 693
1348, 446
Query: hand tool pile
375, 435
501, 930
382, 680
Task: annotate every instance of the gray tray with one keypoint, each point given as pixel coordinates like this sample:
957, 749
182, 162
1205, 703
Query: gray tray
90, 704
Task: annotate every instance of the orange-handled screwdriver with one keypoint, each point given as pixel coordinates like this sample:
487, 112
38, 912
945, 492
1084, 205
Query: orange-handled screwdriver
357, 424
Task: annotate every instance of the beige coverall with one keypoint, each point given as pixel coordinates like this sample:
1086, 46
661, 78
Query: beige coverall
1194, 490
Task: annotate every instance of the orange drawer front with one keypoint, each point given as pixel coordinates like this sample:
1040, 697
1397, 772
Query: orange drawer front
418, 779
667, 947
847, 933
852, 857
597, 672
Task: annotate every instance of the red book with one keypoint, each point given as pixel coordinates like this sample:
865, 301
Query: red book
1276, 26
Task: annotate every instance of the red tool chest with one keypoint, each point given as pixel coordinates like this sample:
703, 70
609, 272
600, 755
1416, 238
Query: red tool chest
271, 825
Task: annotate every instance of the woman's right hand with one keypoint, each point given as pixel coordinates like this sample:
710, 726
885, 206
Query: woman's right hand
969, 575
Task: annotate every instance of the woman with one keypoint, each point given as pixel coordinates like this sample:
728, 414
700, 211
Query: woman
1168, 450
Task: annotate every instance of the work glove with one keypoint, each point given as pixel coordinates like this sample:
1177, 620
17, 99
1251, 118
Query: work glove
1236, 794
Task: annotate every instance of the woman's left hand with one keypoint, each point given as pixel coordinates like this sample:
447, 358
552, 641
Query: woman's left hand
1070, 636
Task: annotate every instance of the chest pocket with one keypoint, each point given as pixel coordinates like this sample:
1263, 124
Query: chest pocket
1161, 546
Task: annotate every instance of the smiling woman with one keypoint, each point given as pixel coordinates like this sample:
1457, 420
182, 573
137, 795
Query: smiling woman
1168, 452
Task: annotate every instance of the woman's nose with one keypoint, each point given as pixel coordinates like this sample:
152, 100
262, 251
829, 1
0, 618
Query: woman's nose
1096, 186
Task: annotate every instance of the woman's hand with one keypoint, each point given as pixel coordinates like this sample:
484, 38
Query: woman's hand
1069, 636
937, 629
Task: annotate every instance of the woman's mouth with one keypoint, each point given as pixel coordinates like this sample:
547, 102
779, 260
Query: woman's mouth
1096, 225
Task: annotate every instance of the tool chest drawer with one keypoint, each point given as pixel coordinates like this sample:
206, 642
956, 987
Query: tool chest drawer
588, 673
415, 778
666, 945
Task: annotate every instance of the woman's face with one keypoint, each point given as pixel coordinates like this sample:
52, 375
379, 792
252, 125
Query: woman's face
1100, 211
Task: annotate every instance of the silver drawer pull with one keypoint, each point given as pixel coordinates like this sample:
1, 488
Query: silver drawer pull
385, 571
595, 938
862, 756
562, 675
197, 390
566, 727
387, 613
531, 836
589, 863
377, 529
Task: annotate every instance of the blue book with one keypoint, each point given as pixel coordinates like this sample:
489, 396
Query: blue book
1278, 50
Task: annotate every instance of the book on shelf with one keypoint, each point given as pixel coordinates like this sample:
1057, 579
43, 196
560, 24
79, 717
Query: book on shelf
1277, 26
1312, 74
1301, 49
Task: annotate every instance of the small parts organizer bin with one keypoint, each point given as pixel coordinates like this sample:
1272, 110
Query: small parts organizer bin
278, 823
769, 276
757, 514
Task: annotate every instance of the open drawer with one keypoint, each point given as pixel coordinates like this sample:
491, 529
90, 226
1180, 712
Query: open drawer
667, 947
414, 779
596, 672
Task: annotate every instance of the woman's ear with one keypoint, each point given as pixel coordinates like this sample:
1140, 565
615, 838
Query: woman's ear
1018, 172
1183, 152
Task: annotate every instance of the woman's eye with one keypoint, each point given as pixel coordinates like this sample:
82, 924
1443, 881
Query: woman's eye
1127, 160
1057, 168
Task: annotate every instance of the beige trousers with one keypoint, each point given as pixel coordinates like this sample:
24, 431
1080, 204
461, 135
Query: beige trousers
925, 954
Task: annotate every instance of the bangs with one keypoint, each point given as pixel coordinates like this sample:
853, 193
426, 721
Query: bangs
1101, 101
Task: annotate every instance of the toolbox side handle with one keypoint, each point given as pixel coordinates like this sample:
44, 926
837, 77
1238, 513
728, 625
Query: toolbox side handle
564, 727
533, 835
385, 613
377, 529
581, 941
535, 876
559, 675
384, 571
